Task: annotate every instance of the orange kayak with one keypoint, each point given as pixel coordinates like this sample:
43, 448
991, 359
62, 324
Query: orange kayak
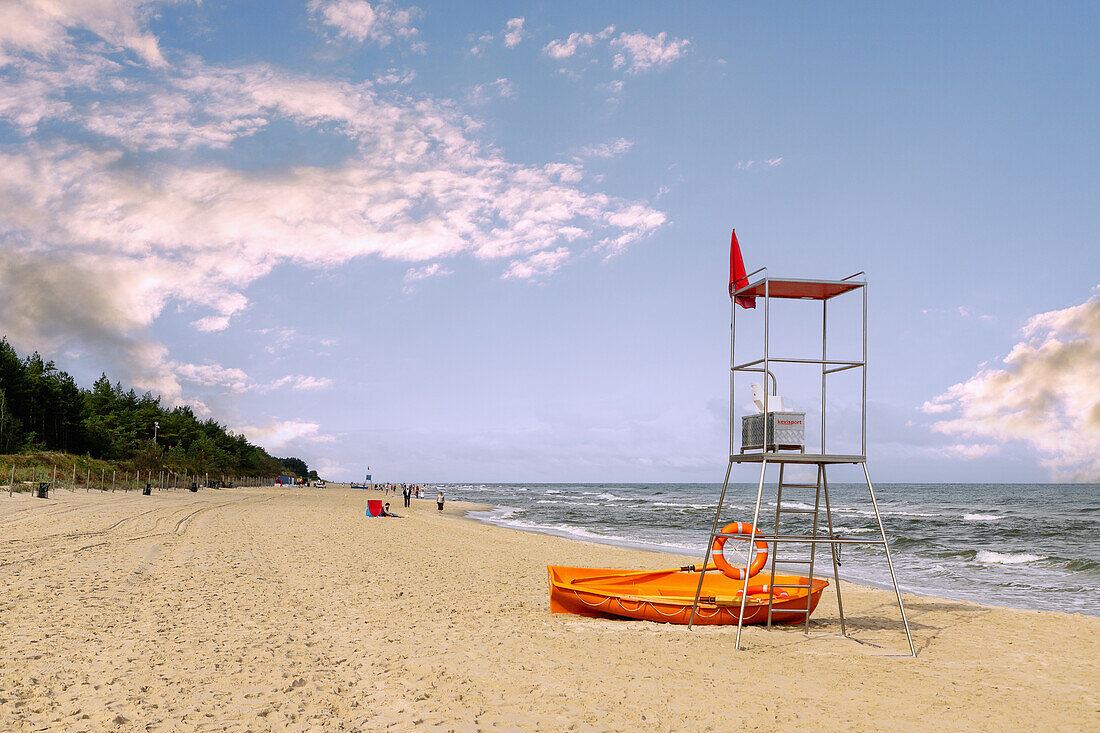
667, 595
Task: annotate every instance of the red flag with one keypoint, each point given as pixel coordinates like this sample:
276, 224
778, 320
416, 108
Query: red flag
737, 273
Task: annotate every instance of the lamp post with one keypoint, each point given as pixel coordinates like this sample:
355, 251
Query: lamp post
156, 426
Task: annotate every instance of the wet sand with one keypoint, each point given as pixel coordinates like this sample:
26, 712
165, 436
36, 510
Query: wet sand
264, 609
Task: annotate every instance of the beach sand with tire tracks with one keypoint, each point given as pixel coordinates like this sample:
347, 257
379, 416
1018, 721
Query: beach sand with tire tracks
283, 609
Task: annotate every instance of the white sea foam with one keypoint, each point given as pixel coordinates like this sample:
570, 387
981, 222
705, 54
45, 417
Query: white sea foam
566, 530
681, 505
794, 505
1002, 559
981, 518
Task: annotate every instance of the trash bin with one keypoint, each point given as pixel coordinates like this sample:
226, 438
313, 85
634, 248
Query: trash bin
194, 486
148, 490
43, 490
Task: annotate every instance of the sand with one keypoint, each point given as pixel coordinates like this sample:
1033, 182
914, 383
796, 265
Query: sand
264, 609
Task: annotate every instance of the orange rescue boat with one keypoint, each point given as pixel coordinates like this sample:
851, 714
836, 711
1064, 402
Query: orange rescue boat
667, 595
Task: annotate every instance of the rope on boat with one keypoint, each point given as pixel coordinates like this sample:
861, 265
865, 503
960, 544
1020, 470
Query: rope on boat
591, 605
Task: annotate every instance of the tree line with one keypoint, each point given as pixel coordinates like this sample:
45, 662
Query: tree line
43, 408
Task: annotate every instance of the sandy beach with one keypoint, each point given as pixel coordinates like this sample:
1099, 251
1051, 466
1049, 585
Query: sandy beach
264, 609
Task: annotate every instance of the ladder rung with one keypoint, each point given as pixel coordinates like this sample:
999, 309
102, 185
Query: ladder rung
777, 585
798, 486
797, 511
793, 562
787, 610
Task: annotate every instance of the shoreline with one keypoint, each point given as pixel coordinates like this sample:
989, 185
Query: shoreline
642, 546
961, 548
265, 609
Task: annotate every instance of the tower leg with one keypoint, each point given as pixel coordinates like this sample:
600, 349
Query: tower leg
813, 549
750, 553
832, 549
775, 545
889, 563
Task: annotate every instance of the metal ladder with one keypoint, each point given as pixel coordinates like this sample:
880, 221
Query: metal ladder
806, 560
820, 488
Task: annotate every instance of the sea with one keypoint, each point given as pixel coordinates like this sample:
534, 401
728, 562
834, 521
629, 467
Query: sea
1031, 546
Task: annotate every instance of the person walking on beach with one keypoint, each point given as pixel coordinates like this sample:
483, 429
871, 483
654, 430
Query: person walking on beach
408, 495
439, 500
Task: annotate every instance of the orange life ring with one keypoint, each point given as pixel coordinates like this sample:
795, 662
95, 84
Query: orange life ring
758, 562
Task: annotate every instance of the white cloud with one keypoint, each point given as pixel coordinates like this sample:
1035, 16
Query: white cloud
416, 274
744, 165
565, 172
208, 324
236, 381
330, 469
396, 77
482, 42
537, 265
614, 88
482, 93
969, 451
513, 32
44, 26
567, 48
298, 382
1045, 395
609, 149
213, 375
636, 222
278, 435
95, 241
361, 21
637, 52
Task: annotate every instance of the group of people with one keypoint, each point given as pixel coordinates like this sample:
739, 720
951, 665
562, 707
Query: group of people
408, 492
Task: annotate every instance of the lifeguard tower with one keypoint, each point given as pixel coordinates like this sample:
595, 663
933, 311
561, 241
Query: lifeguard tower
764, 443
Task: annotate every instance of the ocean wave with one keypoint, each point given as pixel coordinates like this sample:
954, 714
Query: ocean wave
795, 505
907, 514
988, 556
681, 505
568, 530
981, 518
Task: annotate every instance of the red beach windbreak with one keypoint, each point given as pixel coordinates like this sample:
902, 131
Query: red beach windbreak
737, 273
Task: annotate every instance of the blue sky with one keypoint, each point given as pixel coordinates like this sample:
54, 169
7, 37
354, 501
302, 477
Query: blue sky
488, 242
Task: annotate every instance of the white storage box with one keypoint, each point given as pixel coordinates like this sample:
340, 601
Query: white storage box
786, 431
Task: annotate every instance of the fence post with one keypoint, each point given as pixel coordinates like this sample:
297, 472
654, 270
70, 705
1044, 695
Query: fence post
113, 472
11, 486
55, 476
88, 481
73, 487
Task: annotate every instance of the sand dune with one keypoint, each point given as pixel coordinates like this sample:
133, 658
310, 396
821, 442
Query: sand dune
255, 609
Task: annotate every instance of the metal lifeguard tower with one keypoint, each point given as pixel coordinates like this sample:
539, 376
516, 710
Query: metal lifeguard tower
772, 449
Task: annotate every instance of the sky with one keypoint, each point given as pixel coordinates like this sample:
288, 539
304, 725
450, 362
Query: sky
489, 241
